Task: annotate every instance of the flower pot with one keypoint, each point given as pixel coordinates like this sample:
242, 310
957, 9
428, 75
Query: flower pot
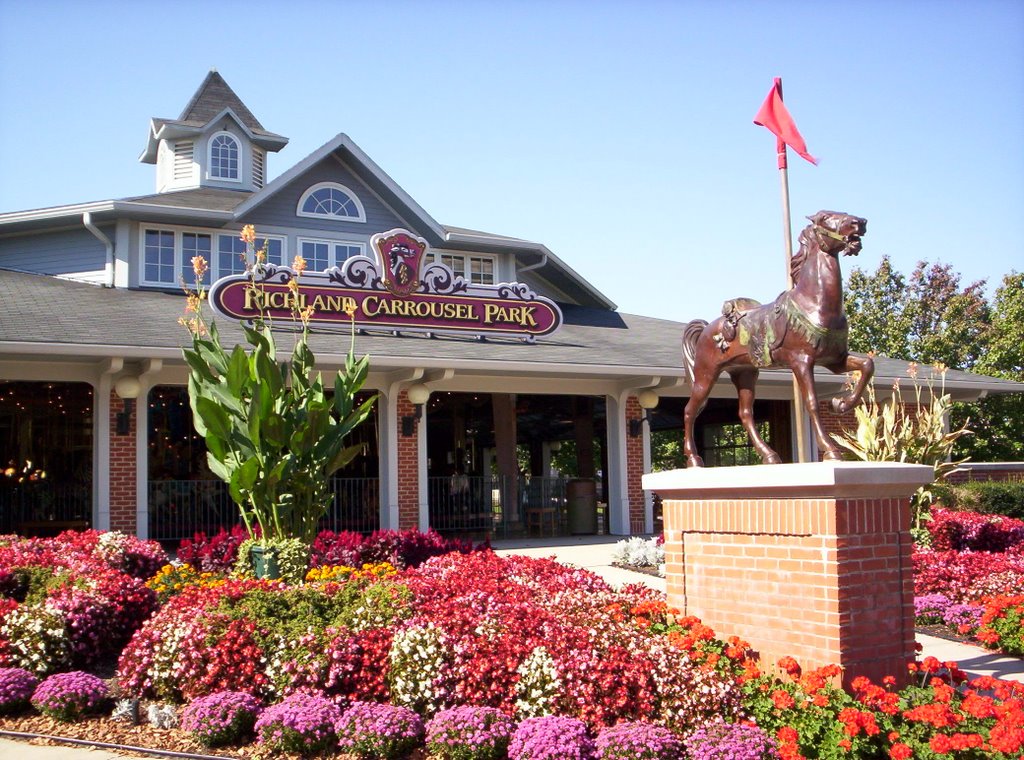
264, 562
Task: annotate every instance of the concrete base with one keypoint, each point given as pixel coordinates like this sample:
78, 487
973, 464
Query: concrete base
811, 560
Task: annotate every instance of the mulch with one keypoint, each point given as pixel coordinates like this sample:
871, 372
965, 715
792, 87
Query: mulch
143, 736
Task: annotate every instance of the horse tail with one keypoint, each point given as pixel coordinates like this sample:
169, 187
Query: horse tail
691, 334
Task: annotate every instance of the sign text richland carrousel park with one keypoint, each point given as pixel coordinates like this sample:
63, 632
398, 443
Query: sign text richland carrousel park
394, 293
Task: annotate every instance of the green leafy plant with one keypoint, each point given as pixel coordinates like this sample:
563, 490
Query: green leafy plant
915, 432
272, 432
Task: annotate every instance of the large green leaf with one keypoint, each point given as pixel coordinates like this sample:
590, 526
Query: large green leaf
214, 417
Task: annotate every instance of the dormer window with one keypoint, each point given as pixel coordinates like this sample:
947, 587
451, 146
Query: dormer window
331, 200
224, 157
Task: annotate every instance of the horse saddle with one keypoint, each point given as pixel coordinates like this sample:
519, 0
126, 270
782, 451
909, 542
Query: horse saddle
760, 328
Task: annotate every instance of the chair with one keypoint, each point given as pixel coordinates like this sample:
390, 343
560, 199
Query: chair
540, 518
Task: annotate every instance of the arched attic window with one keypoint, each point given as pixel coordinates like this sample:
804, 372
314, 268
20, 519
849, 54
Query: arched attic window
224, 157
331, 200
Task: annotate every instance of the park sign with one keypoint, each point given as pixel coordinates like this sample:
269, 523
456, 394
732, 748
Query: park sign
400, 291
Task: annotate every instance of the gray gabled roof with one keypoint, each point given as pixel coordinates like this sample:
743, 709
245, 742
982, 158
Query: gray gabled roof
596, 343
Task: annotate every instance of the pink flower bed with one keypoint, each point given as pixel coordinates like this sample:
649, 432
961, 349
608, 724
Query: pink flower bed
70, 601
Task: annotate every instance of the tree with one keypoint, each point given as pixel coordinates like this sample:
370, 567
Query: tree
999, 420
927, 318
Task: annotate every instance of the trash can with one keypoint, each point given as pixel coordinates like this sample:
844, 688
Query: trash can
581, 495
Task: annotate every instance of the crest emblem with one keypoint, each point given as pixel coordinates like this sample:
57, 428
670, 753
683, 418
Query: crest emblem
401, 257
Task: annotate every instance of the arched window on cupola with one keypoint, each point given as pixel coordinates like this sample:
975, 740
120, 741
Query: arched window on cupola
331, 200
224, 157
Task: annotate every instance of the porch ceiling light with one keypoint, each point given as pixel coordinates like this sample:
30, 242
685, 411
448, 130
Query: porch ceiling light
647, 399
419, 394
126, 388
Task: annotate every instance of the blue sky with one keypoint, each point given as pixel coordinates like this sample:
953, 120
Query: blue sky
618, 134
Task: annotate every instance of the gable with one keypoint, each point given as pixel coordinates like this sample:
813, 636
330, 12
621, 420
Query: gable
280, 209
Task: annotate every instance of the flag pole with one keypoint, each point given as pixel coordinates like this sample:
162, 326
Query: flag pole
787, 233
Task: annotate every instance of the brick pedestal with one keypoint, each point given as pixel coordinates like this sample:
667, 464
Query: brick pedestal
408, 467
807, 560
123, 471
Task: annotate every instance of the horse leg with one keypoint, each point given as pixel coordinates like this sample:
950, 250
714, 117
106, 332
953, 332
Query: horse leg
703, 380
745, 380
866, 368
803, 370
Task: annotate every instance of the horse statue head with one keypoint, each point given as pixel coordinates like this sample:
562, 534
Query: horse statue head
836, 232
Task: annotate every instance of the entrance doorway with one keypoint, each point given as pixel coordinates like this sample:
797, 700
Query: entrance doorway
506, 465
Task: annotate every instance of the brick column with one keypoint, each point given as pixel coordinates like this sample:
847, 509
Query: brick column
635, 467
811, 561
123, 471
408, 470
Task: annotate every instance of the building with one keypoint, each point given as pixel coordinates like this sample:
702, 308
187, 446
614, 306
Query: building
95, 427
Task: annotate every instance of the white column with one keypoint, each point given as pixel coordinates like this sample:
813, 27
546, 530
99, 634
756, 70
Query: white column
421, 466
618, 484
648, 498
101, 452
387, 435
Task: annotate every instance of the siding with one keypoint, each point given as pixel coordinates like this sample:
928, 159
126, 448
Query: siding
69, 252
279, 210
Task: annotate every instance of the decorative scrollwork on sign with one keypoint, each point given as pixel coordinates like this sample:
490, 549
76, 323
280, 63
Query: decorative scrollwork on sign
273, 273
517, 290
357, 272
437, 278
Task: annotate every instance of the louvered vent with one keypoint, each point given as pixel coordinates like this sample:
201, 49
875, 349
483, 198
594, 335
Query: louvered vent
183, 168
257, 168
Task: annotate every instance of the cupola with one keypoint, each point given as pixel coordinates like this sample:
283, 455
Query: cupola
216, 142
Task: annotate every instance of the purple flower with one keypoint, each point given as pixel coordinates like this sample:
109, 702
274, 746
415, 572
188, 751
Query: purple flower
551, 738
226, 717
470, 733
730, 741
963, 617
16, 687
372, 730
930, 608
69, 696
638, 741
301, 723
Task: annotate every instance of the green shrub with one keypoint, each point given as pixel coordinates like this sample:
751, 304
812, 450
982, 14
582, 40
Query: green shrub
988, 497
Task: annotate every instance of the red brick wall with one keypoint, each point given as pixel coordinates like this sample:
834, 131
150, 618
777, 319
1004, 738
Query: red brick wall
634, 468
1012, 472
823, 580
122, 470
408, 468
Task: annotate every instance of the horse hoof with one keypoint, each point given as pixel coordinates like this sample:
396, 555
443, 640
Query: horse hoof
694, 461
832, 456
840, 406
771, 458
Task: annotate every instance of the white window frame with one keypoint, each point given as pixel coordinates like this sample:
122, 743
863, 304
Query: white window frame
209, 157
332, 249
335, 186
467, 259
179, 255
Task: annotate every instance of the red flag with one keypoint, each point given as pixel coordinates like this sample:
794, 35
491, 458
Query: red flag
776, 118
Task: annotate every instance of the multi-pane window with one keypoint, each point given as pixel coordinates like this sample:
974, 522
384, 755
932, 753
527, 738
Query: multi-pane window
316, 253
726, 445
481, 270
194, 244
323, 254
275, 250
224, 157
159, 256
231, 257
476, 269
331, 199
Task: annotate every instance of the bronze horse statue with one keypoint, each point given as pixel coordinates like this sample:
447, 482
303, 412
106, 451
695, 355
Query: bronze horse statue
806, 325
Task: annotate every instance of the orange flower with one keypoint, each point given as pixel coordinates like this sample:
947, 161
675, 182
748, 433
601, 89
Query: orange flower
248, 234
299, 265
199, 266
782, 700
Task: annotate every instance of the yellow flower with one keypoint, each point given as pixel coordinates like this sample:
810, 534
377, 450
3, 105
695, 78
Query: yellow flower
192, 302
293, 286
306, 314
299, 265
940, 368
248, 234
912, 369
350, 308
199, 266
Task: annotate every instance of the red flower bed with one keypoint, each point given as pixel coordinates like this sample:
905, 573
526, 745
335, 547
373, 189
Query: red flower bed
971, 531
